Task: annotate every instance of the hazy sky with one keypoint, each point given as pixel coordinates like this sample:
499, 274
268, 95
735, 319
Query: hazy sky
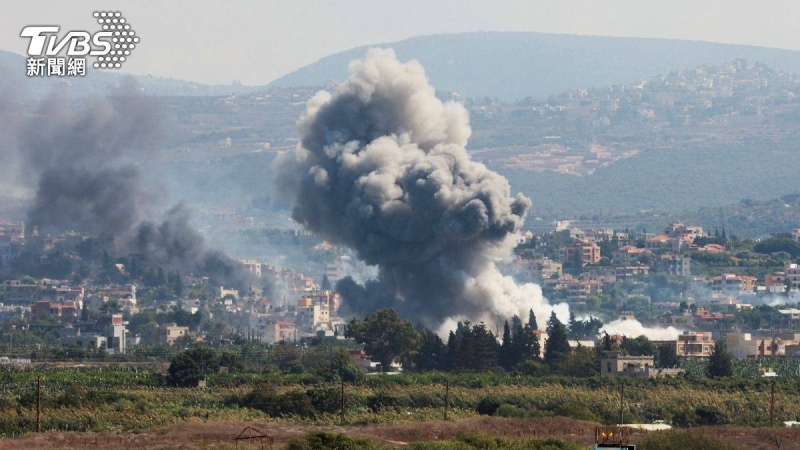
256, 41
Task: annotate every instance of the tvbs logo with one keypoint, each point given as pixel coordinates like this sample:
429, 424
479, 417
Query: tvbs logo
52, 55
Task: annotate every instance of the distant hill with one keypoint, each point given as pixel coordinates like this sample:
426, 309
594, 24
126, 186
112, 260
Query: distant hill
511, 66
12, 72
664, 180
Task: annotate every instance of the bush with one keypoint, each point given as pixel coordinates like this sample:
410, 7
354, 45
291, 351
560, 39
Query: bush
532, 368
578, 412
267, 399
381, 401
682, 440
488, 406
326, 400
701, 415
471, 441
318, 440
507, 410
710, 415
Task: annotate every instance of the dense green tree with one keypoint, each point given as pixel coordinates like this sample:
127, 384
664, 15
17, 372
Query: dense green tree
385, 336
557, 345
667, 356
584, 329
572, 324
532, 320
176, 281
338, 367
432, 353
607, 344
535, 352
477, 350
524, 341
56, 264
229, 360
452, 350
506, 358
187, 368
326, 283
720, 364
778, 244
639, 346
288, 357
516, 324
582, 362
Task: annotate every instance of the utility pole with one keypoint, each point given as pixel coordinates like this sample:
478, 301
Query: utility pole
38, 403
342, 405
446, 397
621, 404
772, 406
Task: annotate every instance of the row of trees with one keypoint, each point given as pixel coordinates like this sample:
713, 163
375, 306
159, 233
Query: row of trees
387, 337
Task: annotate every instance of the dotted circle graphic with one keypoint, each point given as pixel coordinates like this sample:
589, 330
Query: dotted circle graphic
123, 39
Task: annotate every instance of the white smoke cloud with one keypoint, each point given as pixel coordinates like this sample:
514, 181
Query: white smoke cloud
634, 328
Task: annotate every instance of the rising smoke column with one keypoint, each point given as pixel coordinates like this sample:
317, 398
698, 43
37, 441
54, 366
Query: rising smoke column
84, 164
382, 168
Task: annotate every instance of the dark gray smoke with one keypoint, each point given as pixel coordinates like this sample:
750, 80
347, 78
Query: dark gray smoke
84, 163
176, 244
85, 167
382, 168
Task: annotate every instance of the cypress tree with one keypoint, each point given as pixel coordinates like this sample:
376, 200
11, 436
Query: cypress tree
516, 325
536, 347
557, 345
506, 352
720, 364
432, 353
452, 351
326, 283
484, 349
532, 320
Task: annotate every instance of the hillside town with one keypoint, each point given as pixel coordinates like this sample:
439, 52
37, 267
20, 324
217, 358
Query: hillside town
581, 130
685, 283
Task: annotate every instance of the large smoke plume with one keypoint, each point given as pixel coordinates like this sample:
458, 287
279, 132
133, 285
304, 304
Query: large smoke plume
382, 168
84, 166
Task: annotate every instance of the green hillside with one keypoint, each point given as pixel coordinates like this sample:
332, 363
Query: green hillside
664, 180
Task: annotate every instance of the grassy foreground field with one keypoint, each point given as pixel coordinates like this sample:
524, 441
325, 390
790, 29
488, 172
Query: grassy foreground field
563, 434
130, 408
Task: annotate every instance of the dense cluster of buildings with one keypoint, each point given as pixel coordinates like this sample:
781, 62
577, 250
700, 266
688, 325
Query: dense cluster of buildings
606, 259
281, 305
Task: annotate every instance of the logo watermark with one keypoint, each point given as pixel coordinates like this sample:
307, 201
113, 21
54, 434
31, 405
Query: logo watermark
49, 55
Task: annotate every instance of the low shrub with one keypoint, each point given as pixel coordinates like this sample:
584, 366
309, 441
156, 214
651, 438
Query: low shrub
488, 406
318, 440
471, 441
576, 411
682, 440
507, 410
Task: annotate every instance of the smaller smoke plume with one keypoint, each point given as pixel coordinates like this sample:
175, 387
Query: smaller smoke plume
634, 328
175, 244
85, 163
85, 167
